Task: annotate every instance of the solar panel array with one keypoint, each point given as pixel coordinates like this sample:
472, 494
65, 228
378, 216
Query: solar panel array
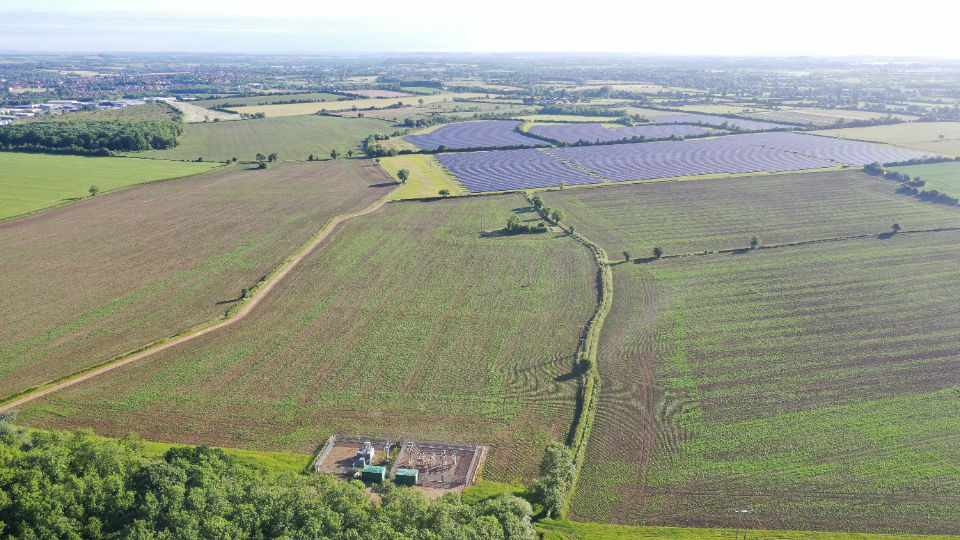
595, 132
512, 169
711, 120
625, 162
482, 134
839, 150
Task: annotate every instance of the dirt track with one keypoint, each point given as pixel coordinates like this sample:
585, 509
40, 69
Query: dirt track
268, 286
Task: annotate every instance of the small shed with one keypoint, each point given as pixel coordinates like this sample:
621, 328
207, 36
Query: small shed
373, 473
407, 477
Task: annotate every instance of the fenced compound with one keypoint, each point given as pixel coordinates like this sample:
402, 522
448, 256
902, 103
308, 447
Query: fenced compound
443, 466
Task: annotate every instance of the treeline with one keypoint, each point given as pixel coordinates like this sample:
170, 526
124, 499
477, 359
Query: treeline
582, 110
92, 137
75, 485
911, 186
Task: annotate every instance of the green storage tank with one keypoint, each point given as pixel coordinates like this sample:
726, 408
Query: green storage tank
373, 473
407, 477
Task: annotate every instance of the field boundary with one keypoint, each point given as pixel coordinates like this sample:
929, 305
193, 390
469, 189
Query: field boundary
239, 311
587, 397
883, 235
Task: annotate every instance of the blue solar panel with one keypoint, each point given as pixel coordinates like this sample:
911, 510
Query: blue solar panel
482, 134
595, 132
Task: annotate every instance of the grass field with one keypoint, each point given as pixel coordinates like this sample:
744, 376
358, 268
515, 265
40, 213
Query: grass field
293, 138
311, 108
107, 275
944, 177
427, 177
571, 530
32, 182
819, 117
817, 385
725, 213
406, 322
923, 136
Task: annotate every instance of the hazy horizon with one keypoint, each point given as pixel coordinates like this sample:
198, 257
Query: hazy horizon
738, 28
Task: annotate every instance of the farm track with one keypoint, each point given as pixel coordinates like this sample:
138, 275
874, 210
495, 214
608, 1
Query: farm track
284, 269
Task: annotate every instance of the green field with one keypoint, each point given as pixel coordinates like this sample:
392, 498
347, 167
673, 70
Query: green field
406, 321
725, 213
818, 385
924, 136
571, 530
943, 177
107, 275
32, 182
293, 138
427, 177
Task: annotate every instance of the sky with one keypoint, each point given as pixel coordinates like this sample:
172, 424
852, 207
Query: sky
684, 27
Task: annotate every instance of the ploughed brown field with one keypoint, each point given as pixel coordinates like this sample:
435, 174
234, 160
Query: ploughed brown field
107, 275
407, 322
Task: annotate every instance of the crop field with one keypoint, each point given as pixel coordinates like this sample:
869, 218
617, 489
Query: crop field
107, 275
645, 161
379, 94
838, 150
816, 385
194, 114
294, 109
943, 177
922, 136
427, 177
724, 213
500, 170
149, 111
572, 530
820, 117
269, 99
597, 132
710, 120
32, 182
408, 322
482, 134
293, 138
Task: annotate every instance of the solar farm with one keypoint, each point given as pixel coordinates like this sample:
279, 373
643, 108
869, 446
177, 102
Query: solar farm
711, 120
596, 132
773, 152
482, 134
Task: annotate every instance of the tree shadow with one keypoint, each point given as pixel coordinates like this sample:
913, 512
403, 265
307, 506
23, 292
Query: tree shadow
224, 302
643, 260
383, 184
72, 199
740, 251
886, 236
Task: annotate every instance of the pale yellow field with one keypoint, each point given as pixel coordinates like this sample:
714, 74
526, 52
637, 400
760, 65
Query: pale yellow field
295, 109
193, 113
717, 108
924, 136
427, 177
